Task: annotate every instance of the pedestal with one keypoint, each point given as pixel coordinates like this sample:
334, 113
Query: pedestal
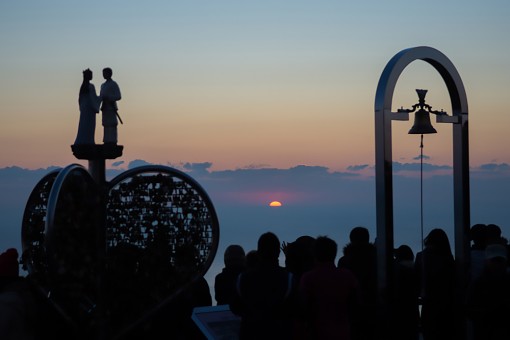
96, 154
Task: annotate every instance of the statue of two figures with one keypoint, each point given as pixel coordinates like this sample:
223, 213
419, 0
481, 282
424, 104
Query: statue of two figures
90, 104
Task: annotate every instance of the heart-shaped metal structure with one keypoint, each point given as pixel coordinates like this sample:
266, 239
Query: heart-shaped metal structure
110, 256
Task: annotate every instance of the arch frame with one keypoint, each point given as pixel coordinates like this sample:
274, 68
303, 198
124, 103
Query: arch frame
384, 162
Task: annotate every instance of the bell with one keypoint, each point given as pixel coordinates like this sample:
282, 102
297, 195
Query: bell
422, 123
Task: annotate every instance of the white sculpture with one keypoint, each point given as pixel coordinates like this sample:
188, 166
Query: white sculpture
110, 94
89, 107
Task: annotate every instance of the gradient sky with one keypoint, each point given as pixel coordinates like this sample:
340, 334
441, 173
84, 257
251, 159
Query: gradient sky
241, 93
247, 83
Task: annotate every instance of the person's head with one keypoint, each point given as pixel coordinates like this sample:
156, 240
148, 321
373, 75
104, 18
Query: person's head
493, 234
234, 256
305, 241
438, 240
298, 254
404, 253
268, 247
325, 249
107, 73
478, 234
9, 266
87, 75
359, 235
252, 259
496, 256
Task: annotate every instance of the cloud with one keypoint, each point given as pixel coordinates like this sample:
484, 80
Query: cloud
137, 162
197, 167
357, 167
273, 177
119, 163
491, 170
417, 158
398, 167
299, 185
255, 166
495, 167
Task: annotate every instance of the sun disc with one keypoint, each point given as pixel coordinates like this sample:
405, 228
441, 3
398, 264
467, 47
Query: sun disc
275, 204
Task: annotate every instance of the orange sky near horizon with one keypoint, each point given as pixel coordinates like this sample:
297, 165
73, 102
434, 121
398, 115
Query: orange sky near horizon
275, 132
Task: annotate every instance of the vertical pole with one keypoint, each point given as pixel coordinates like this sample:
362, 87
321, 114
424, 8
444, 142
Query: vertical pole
384, 212
462, 213
461, 194
97, 156
97, 170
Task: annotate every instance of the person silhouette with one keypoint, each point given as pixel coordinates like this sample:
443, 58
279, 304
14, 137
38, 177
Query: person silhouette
265, 295
329, 296
360, 257
89, 106
110, 94
174, 319
435, 267
494, 234
298, 255
18, 308
478, 236
406, 315
488, 297
252, 259
225, 282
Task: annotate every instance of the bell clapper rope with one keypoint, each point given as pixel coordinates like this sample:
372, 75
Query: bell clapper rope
421, 191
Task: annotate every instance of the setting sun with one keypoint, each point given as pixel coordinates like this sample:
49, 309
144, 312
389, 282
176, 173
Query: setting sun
275, 204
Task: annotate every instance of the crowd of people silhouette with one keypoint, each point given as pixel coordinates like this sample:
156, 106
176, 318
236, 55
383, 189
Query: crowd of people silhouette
312, 297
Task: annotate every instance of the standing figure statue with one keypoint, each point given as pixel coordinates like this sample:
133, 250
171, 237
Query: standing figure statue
110, 94
89, 107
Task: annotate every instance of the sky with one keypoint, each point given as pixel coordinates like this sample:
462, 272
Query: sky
243, 83
265, 90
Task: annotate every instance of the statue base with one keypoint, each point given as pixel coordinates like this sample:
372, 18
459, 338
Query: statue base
97, 151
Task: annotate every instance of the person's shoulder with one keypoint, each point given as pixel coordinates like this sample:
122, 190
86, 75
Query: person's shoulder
349, 277
219, 275
283, 273
282, 269
248, 273
345, 274
224, 273
309, 275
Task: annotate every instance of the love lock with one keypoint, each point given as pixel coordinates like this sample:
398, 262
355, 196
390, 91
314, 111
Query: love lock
109, 256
